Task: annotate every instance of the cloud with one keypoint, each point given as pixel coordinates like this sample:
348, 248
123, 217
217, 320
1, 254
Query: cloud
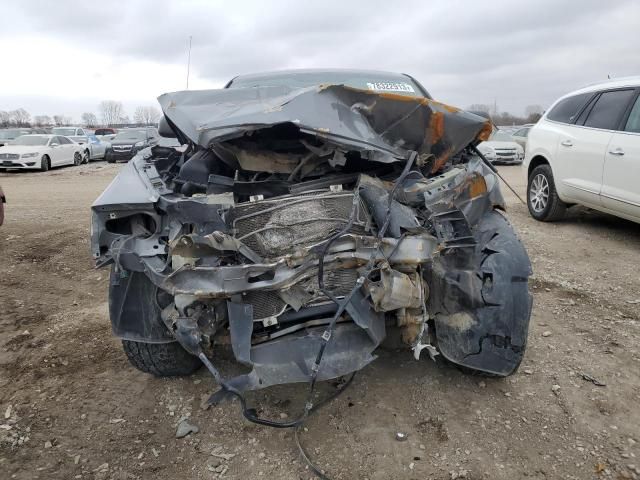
464, 52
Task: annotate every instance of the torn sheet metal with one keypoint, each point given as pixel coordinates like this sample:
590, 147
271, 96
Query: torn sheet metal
384, 125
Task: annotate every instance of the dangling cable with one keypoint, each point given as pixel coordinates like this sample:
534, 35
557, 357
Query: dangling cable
309, 407
495, 170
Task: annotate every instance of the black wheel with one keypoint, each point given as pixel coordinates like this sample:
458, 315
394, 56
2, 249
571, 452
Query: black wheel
86, 156
161, 359
542, 197
45, 163
109, 158
482, 303
77, 158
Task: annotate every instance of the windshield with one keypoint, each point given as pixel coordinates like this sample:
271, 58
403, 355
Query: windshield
132, 135
500, 136
31, 140
11, 134
63, 131
374, 81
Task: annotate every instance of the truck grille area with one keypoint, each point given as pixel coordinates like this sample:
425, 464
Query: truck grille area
275, 227
267, 303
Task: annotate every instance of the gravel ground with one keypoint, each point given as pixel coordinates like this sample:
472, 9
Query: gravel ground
72, 407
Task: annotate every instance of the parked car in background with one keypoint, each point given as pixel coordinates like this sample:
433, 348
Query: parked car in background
130, 141
501, 148
586, 150
77, 134
106, 134
96, 148
105, 131
8, 134
40, 152
520, 136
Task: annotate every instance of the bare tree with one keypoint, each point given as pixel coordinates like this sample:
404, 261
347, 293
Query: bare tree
41, 120
61, 120
479, 107
533, 113
532, 109
89, 119
5, 118
124, 120
111, 111
146, 115
21, 117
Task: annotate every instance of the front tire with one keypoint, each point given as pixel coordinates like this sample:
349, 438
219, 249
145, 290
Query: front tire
542, 197
161, 359
77, 159
45, 163
86, 157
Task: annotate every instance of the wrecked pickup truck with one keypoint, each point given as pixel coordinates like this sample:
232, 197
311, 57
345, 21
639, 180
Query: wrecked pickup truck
305, 217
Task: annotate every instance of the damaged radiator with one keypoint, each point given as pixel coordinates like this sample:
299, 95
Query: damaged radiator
275, 227
270, 303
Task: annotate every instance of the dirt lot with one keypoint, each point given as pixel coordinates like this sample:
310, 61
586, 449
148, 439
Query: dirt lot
72, 407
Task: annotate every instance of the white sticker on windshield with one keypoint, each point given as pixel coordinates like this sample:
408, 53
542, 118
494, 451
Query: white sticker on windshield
390, 87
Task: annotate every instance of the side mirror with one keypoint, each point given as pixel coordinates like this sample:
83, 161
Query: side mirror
54, 144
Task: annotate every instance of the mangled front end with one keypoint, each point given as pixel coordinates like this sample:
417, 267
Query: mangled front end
318, 219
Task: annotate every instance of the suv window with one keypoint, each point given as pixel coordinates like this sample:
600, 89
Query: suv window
633, 122
566, 110
608, 109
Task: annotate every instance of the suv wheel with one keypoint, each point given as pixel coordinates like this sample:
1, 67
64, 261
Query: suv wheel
542, 197
161, 359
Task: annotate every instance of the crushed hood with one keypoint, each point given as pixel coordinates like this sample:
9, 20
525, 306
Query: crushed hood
385, 127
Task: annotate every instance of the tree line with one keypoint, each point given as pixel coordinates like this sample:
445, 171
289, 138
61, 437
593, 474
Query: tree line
532, 114
111, 113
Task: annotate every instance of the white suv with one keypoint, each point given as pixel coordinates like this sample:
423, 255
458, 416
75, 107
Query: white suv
586, 150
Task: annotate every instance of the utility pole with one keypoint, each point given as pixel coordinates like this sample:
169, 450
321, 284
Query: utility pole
188, 62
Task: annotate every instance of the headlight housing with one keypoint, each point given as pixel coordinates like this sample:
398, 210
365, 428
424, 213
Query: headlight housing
29, 155
139, 144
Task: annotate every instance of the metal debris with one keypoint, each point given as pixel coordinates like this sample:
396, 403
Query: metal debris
593, 380
401, 437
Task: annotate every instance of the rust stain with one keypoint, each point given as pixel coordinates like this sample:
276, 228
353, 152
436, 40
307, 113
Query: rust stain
397, 96
444, 106
485, 133
477, 186
436, 125
441, 160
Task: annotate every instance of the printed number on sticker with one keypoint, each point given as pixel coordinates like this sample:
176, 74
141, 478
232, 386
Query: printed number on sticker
390, 87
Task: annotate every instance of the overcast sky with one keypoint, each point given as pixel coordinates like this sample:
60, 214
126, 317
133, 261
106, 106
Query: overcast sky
65, 56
